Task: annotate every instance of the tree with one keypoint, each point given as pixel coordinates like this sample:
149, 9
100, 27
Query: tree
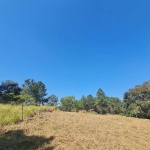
67, 103
25, 97
137, 101
76, 104
52, 100
87, 103
83, 103
101, 101
9, 91
34, 89
9, 86
115, 105
90, 102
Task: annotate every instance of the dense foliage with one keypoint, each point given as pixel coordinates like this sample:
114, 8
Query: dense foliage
31, 92
136, 101
100, 104
9, 90
34, 89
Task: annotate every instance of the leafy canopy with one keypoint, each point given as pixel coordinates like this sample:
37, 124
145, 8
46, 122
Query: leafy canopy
35, 89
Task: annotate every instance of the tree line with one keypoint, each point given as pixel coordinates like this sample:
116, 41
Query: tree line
100, 104
31, 92
136, 101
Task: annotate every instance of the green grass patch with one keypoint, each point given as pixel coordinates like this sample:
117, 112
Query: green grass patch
12, 114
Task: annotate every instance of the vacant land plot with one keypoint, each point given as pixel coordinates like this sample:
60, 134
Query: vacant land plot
76, 131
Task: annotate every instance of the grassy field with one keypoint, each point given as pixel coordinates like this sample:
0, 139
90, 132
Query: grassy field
76, 131
12, 114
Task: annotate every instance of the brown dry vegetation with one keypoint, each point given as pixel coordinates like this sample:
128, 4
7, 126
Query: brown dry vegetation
76, 131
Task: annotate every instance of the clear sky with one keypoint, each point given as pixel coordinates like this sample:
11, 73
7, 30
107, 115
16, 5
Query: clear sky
76, 47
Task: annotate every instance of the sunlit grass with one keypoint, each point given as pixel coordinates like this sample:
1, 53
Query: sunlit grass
12, 114
73, 131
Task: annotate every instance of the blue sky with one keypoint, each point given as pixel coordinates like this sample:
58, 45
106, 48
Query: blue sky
76, 47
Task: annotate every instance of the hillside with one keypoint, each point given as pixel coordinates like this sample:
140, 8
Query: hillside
76, 131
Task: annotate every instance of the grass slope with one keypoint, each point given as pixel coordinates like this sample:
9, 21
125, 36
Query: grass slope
76, 131
12, 114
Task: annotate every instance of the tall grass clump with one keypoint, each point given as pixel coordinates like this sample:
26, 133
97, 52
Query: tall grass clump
12, 114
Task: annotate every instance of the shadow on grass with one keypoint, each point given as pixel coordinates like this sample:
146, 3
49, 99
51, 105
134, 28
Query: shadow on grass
17, 140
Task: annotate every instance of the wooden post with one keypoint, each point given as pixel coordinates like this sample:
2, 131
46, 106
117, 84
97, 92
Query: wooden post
22, 111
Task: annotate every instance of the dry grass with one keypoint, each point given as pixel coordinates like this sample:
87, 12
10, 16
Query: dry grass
76, 131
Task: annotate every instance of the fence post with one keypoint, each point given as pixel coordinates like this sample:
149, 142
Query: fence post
22, 111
